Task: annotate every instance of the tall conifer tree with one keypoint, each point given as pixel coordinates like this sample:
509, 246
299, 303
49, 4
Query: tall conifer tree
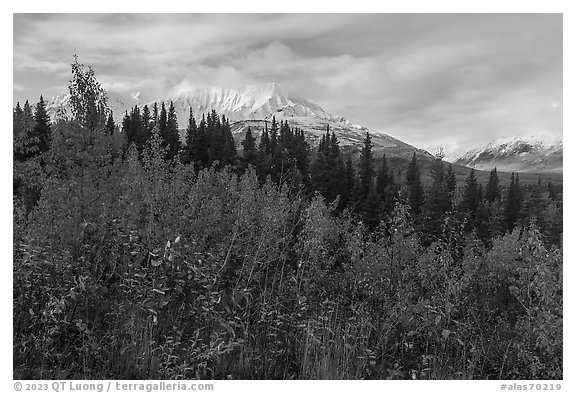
191, 138
493, 192
414, 183
471, 197
110, 126
250, 154
512, 203
42, 130
365, 169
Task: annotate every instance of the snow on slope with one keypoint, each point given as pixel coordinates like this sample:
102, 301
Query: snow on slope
118, 103
534, 153
253, 103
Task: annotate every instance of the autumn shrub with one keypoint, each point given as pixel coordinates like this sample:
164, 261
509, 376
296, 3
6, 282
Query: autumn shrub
145, 268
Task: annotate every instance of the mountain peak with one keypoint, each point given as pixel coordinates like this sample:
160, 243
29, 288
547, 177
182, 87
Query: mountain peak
531, 153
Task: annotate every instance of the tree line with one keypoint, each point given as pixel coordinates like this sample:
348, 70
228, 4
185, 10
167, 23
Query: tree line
282, 153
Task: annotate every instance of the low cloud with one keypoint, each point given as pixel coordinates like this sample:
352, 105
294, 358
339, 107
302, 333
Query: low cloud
422, 78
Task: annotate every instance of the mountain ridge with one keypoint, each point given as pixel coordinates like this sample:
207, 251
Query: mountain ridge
531, 153
258, 104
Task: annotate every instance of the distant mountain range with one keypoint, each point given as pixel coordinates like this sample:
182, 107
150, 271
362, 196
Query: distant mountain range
253, 106
517, 154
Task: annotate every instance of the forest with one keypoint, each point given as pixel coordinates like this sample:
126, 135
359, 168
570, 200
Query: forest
139, 254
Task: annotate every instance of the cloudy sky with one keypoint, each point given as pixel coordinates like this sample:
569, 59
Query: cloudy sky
427, 79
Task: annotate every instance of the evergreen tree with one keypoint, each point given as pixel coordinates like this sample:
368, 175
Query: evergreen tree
155, 116
512, 203
320, 170
534, 206
110, 126
200, 145
17, 119
471, 197
493, 193
27, 119
273, 134
348, 195
300, 153
365, 169
172, 135
229, 147
484, 222
191, 139
249, 149
385, 186
438, 202
371, 210
147, 126
414, 183
450, 180
126, 128
163, 124
383, 177
217, 140
42, 126
25, 143
337, 182
132, 128
264, 146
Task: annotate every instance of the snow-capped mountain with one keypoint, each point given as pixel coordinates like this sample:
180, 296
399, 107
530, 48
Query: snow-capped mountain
517, 154
253, 105
59, 106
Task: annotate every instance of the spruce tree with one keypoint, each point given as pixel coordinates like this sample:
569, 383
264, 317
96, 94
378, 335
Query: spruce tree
23, 141
147, 126
534, 205
264, 146
414, 183
191, 138
438, 202
250, 154
493, 193
163, 124
201, 144
365, 169
263, 167
173, 137
336, 168
512, 203
320, 170
17, 119
126, 127
300, 153
229, 146
350, 183
383, 178
471, 197
155, 116
450, 180
217, 140
273, 134
42, 126
110, 126
132, 127
385, 187
371, 210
